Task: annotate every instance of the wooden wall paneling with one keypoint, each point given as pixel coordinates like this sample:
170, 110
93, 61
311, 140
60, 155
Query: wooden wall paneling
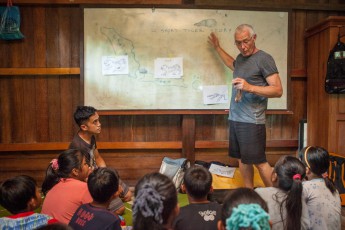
54, 109
5, 53
274, 127
127, 128
66, 107
164, 128
29, 108
39, 37
341, 104
188, 137
340, 143
151, 128
75, 30
17, 91
41, 89
75, 96
288, 129
205, 127
5, 110
298, 51
323, 104
52, 37
312, 100
221, 127
298, 99
110, 128
139, 126
209, 155
133, 164
53, 60
28, 97
41, 113
29, 163
16, 56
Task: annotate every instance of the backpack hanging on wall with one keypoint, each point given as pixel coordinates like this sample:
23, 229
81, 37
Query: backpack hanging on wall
10, 22
335, 76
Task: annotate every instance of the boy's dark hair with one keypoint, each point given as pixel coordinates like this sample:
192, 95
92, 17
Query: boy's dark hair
83, 113
240, 196
67, 161
198, 181
16, 192
102, 184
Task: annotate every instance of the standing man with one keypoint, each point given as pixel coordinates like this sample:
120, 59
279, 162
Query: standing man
255, 79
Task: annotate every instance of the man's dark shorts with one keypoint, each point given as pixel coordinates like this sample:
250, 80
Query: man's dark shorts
247, 142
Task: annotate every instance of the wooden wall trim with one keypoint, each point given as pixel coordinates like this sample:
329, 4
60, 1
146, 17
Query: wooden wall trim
97, 2
234, 4
137, 145
298, 73
181, 112
38, 71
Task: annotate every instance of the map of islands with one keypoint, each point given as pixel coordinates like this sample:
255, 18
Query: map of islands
145, 35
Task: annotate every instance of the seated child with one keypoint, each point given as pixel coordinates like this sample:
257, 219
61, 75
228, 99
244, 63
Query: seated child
64, 185
287, 209
323, 200
155, 205
103, 185
243, 208
20, 196
87, 119
200, 213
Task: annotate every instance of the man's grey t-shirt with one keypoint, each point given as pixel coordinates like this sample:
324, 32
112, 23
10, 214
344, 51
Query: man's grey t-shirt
254, 69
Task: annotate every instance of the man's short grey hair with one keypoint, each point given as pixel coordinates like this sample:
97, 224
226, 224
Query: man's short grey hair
243, 27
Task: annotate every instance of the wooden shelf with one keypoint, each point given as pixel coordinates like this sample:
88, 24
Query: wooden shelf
59, 146
38, 71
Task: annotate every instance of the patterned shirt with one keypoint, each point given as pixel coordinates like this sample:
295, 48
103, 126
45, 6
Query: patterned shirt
324, 207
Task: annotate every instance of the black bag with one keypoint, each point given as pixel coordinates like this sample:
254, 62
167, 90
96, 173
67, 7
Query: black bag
335, 77
10, 22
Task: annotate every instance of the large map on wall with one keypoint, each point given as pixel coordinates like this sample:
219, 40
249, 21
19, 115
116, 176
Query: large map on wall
152, 59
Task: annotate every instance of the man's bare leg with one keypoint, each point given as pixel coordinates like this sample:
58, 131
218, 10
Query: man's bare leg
265, 171
247, 172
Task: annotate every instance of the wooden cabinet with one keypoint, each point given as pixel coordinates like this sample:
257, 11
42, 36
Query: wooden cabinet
325, 112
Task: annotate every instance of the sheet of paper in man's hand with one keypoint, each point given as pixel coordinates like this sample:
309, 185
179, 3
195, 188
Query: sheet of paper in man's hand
222, 170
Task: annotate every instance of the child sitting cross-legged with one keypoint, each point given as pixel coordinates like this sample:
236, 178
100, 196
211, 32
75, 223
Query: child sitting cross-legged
287, 208
103, 185
320, 194
200, 213
243, 208
20, 196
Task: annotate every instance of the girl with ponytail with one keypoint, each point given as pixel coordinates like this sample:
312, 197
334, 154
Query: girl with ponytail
64, 186
286, 207
155, 205
321, 196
